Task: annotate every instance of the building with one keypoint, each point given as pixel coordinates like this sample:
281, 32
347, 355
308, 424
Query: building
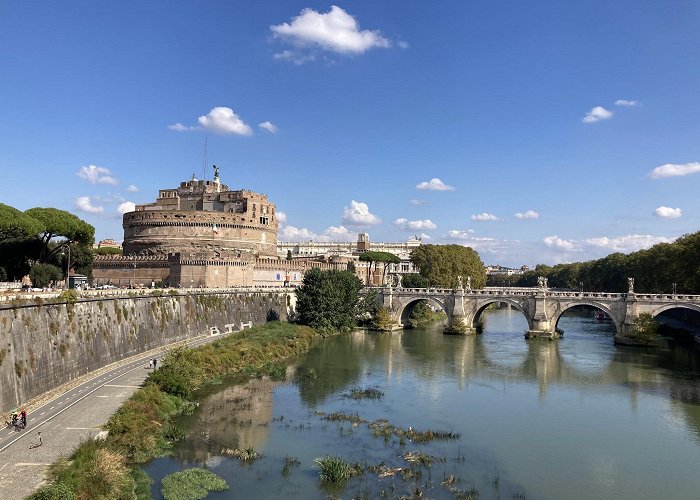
200, 234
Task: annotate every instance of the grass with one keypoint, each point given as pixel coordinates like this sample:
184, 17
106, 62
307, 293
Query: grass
191, 484
143, 427
336, 469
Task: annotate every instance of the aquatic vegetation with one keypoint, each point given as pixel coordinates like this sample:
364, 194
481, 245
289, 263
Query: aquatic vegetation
336, 469
247, 455
382, 427
191, 484
418, 457
289, 462
337, 416
369, 393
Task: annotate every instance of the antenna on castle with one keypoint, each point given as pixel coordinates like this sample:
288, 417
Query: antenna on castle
204, 166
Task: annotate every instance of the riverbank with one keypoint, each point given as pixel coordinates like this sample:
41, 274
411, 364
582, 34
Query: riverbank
143, 427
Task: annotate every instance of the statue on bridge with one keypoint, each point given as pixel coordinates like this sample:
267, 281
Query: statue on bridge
469, 282
630, 285
542, 282
398, 281
459, 283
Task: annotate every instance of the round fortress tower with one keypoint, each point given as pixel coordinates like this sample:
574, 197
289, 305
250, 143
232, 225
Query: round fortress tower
202, 217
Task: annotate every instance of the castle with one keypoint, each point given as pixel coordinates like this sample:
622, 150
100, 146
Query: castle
201, 234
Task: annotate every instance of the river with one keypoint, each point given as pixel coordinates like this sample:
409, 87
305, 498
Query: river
576, 418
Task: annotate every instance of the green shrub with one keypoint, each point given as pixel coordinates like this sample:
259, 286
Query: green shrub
335, 469
54, 491
191, 484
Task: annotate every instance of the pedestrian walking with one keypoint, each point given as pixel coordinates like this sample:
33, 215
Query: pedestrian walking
39, 438
155, 363
150, 364
23, 419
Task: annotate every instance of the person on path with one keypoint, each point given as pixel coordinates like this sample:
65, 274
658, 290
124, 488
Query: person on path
150, 364
155, 363
23, 419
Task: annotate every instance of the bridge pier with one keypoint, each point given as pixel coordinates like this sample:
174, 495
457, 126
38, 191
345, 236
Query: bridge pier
540, 326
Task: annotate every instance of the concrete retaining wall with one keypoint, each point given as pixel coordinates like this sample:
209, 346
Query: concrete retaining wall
45, 345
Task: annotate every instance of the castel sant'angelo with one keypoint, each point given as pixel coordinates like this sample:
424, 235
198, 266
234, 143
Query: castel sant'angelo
201, 234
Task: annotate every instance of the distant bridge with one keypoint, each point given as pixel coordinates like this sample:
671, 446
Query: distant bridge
541, 306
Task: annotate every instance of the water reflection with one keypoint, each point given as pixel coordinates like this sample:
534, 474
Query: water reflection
522, 407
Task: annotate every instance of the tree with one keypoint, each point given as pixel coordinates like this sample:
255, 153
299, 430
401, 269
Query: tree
44, 274
60, 224
372, 257
327, 300
17, 224
3, 274
289, 255
414, 280
443, 264
644, 328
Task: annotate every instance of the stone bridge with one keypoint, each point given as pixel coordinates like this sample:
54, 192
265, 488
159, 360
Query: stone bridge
541, 306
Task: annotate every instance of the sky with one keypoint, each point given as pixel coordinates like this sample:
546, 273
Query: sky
534, 132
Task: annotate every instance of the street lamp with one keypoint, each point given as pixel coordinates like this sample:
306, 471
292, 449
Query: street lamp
580, 286
674, 289
67, 283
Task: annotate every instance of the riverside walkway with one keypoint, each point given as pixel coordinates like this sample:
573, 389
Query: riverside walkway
68, 416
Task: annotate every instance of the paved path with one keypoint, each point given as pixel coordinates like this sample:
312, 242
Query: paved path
69, 419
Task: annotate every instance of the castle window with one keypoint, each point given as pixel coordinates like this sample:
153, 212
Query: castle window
263, 220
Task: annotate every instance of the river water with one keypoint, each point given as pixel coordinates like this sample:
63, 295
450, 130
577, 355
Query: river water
576, 418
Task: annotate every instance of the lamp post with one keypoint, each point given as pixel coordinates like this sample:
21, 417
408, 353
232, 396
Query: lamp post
67, 284
580, 286
674, 289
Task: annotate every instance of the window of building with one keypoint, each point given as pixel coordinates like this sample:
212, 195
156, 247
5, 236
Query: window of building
263, 220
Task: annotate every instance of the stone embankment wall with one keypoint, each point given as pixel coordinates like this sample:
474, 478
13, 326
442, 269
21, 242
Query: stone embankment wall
44, 345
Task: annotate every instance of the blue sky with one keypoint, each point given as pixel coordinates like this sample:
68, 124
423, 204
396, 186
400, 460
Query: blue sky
395, 118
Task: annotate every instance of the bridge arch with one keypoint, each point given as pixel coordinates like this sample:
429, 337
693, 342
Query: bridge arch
597, 305
668, 307
481, 306
404, 310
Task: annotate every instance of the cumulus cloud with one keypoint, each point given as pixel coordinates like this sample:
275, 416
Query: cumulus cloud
530, 214
625, 102
668, 212
125, 207
557, 242
484, 217
339, 233
596, 114
424, 236
132, 189
179, 127
269, 126
435, 184
358, 214
626, 244
674, 170
97, 175
292, 233
281, 217
84, 204
414, 225
335, 31
223, 120
417, 203
330, 234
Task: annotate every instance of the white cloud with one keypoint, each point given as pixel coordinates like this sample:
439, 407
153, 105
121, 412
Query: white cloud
556, 242
292, 233
125, 207
668, 212
596, 114
281, 217
335, 31
340, 233
424, 236
179, 127
417, 203
435, 184
97, 175
84, 204
626, 244
269, 126
132, 189
484, 217
674, 170
625, 102
414, 225
358, 214
530, 214
223, 120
